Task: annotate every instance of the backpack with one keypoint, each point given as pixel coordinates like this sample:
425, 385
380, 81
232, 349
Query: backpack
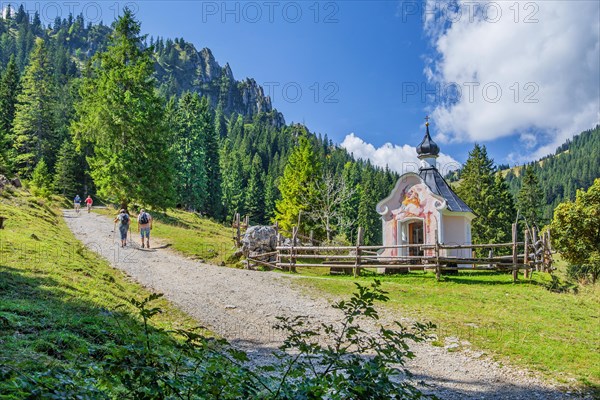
144, 219
125, 219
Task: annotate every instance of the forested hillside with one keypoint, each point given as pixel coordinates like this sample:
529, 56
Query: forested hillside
574, 165
184, 133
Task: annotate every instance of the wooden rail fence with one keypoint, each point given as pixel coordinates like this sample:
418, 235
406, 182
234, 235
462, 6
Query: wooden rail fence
533, 253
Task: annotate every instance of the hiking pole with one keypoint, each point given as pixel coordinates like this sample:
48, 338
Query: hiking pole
114, 233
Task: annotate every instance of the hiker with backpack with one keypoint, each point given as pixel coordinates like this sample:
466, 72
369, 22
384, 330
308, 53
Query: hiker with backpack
144, 226
77, 203
88, 203
123, 220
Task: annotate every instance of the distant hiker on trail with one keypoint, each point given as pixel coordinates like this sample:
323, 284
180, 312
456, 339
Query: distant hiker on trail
88, 203
77, 202
123, 220
144, 226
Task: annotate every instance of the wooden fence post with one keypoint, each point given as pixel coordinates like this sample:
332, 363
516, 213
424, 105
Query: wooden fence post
238, 236
292, 250
311, 237
526, 256
438, 268
359, 239
515, 253
534, 242
549, 243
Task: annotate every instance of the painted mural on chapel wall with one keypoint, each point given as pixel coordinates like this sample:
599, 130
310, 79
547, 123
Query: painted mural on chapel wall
415, 202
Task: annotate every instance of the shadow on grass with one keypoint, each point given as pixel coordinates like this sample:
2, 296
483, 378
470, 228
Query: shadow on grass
493, 278
45, 325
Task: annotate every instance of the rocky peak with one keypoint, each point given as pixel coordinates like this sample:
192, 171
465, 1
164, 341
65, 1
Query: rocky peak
199, 71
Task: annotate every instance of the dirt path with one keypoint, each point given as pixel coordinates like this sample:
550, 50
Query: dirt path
242, 305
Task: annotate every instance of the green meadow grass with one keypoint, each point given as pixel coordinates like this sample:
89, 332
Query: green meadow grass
59, 302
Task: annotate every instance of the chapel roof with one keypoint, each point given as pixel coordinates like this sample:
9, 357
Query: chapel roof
438, 185
433, 179
427, 147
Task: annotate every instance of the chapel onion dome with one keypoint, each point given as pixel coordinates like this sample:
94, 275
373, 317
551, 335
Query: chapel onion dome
427, 148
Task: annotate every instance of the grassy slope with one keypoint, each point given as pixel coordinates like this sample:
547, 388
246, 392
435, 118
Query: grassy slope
557, 334
57, 299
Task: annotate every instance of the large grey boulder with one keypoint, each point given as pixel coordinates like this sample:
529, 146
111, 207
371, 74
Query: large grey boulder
259, 239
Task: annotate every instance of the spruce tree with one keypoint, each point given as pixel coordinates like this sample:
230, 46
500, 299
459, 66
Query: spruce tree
232, 183
34, 129
213, 171
530, 198
254, 201
488, 198
121, 115
41, 180
9, 90
368, 218
296, 185
68, 170
188, 149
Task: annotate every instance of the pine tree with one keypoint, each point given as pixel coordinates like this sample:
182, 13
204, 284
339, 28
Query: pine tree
213, 205
296, 185
188, 149
34, 130
255, 194
9, 90
232, 183
121, 115
530, 198
68, 170
488, 198
41, 180
504, 210
367, 217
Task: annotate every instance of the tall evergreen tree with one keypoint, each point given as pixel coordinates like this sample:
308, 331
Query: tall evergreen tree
123, 117
213, 205
232, 183
488, 198
68, 170
367, 217
530, 198
34, 130
254, 201
9, 90
296, 185
188, 149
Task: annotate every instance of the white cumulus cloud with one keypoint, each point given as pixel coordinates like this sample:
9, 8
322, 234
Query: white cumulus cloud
523, 68
401, 159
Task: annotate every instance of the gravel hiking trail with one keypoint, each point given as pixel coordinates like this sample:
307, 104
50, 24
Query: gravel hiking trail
241, 306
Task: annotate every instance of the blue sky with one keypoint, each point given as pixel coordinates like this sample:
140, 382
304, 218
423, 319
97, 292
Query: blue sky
519, 77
